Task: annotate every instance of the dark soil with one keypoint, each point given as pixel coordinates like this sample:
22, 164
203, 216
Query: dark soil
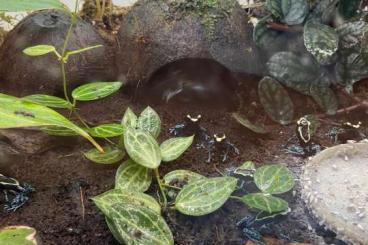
62, 176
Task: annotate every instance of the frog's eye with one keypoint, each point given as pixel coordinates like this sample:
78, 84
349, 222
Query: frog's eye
219, 138
194, 119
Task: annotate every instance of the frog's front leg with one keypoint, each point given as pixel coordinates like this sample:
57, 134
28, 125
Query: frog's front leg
18, 201
177, 129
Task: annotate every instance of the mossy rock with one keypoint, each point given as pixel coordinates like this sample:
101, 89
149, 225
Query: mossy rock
21, 74
157, 32
335, 188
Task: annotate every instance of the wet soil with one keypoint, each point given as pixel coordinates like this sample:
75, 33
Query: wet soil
62, 212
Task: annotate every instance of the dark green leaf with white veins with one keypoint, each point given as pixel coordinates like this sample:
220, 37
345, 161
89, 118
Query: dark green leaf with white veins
106, 200
132, 176
276, 101
274, 6
321, 41
107, 130
294, 11
264, 36
173, 148
48, 100
142, 148
351, 33
259, 129
139, 225
150, 121
110, 156
274, 179
204, 196
95, 90
114, 230
325, 98
129, 119
265, 202
181, 177
295, 71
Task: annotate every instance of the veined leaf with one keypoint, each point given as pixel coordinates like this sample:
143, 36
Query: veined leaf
58, 131
132, 176
274, 179
204, 196
325, 98
150, 121
110, 156
140, 225
18, 235
274, 6
265, 202
259, 129
48, 100
129, 119
276, 101
321, 41
114, 230
173, 148
27, 5
16, 113
142, 148
106, 200
181, 177
263, 36
95, 90
248, 168
294, 11
107, 130
39, 50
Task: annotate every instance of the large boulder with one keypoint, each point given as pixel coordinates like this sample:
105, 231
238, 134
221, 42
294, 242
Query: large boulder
21, 74
157, 32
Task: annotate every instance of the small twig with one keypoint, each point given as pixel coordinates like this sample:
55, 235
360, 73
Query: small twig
82, 202
284, 28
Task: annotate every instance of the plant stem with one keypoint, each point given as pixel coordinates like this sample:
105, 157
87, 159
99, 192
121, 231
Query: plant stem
172, 187
160, 185
236, 198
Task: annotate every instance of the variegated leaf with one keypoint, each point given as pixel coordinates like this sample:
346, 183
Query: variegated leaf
142, 148
351, 33
259, 129
180, 177
107, 130
296, 72
140, 225
18, 235
106, 200
129, 119
114, 230
265, 202
48, 100
16, 113
274, 179
276, 101
173, 148
248, 168
294, 11
274, 6
204, 196
321, 41
150, 121
95, 90
325, 98
132, 176
110, 156
27, 5
58, 131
